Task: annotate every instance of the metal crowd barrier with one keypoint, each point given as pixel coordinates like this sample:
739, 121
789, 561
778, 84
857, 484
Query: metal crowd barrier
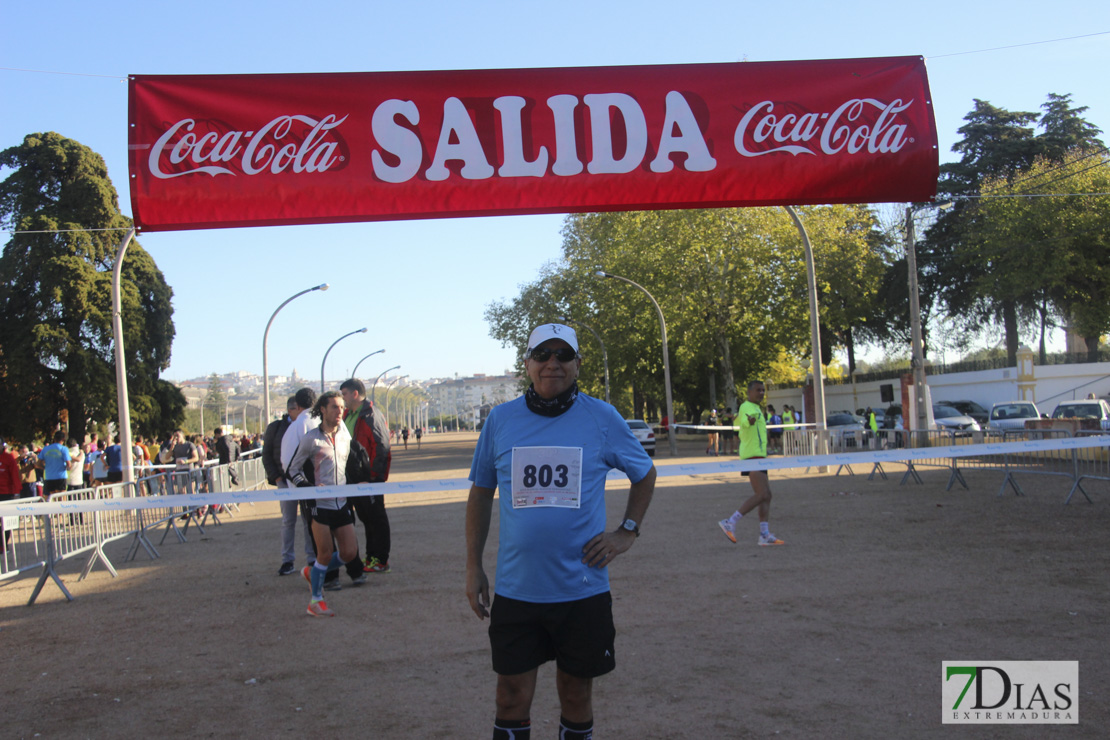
41, 542
24, 542
1036, 462
1079, 465
1092, 464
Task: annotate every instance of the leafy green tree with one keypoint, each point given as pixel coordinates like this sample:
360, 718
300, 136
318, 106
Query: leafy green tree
215, 397
997, 144
969, 263
1064, 130
731, 285
1057, 245
55, 297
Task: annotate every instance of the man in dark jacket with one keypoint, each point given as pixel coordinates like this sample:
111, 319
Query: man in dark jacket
369, 431
227, 450
271, 461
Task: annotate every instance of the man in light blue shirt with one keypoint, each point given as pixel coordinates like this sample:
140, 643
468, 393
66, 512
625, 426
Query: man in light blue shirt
547, 454
55, 460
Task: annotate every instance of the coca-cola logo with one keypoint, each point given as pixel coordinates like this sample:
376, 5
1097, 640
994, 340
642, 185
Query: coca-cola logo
294, 142
857, 125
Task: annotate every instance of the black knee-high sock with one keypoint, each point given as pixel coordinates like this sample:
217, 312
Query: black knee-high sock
575, 730
512, 729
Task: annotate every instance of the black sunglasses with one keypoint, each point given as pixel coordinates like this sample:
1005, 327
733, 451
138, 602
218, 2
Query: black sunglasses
563, 354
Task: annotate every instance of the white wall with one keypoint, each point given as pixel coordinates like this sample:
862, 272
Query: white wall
1053, 384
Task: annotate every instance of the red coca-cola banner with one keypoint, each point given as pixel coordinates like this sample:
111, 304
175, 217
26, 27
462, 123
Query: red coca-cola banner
213, 151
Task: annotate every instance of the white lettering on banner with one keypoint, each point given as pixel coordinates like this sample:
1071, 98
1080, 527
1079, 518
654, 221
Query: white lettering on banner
689, 139
566, 143
846, 129
635, 129
459, 140
313, 153
301, 143
456, 120
397, 140
512, 138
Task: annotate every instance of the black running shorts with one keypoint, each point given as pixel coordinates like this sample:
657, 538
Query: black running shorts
578, 635
745, 472
334, 518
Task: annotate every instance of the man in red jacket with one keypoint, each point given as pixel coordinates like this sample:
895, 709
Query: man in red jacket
10, 480
368, 429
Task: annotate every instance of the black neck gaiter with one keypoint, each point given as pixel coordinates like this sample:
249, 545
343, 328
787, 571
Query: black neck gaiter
551, 406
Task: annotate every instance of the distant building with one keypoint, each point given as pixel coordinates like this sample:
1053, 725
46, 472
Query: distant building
471, 398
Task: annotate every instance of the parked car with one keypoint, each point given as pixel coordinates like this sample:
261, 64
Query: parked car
843, 419
1012, 415
847, 426
949, 419
1094, 408
969, 408
643, 433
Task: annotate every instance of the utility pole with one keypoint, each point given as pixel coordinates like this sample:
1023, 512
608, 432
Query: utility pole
917, 362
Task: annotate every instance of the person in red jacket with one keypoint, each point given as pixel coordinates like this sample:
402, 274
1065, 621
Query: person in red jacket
368, 429
10, 480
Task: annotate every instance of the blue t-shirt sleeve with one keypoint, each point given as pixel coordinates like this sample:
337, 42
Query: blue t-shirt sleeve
483, 469
622, 450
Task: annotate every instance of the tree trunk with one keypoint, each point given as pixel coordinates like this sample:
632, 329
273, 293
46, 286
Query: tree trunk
726, 373
850, 345
1043, 310
1010, 322
1092, 348
638, 404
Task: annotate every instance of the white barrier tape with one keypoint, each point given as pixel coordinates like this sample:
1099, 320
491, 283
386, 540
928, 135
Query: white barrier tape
727, 428
461, 484
881, 456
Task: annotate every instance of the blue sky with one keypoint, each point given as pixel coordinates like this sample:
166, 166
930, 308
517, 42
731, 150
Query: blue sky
422, 286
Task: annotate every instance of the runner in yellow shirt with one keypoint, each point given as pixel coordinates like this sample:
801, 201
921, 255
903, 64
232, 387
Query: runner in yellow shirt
752, 425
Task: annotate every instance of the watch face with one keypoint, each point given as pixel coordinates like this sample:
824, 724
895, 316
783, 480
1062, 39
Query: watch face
629, 525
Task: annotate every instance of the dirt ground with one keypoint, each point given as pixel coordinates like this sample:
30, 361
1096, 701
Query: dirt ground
840, 633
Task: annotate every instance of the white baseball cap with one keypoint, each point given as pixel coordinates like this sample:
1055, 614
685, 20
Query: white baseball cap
544, 332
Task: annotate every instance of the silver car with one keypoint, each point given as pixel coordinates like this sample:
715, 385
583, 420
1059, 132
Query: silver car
1089, 409
643, 432
1012, 415
953, 420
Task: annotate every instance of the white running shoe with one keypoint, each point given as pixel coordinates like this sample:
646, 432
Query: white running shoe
728, 529
767, 540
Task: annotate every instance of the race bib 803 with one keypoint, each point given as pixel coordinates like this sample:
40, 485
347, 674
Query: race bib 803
547, 476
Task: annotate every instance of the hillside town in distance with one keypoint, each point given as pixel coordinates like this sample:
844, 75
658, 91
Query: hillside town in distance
439, 404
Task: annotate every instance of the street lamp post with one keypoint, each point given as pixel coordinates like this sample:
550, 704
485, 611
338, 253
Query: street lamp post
374, 387
666, 358
385, 403
337, 341
354, 373
265, 361
604, 354
814, 326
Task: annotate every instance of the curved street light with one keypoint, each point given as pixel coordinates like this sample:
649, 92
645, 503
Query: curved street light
354, 373
265, 336
666, 359
337, 341
604, 354
814, 327
374, 387
385, 402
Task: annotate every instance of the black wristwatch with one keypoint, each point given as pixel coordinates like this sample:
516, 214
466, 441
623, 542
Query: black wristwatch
630, 526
